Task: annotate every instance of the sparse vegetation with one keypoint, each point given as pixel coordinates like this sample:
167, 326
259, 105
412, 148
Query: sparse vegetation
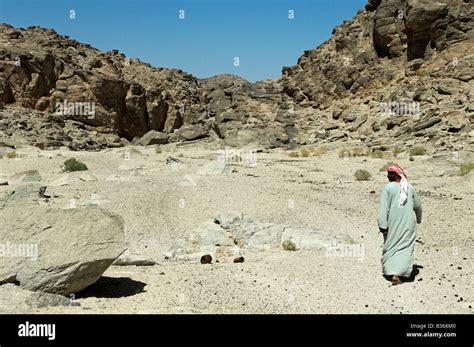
293, 154
11, 155
397, 151
74, 165
304, 153
466, 168
318, 151
412, 159
417, 150
289, 245
358, 151
344, 153
158, 149
376, 154
362, 175
385, 167
352, 152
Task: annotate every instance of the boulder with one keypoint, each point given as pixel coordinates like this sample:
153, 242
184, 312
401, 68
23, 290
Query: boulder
59, 251
188, 133
153, 137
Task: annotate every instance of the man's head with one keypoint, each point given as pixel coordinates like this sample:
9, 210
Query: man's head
395, 173
393, 177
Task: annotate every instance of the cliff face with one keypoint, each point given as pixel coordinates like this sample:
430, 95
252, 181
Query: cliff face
41, 70
395, 54
400, 72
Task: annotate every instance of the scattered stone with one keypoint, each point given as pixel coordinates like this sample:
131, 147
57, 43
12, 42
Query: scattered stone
239, 260
171, 160
129, 259
85, 177
206, 259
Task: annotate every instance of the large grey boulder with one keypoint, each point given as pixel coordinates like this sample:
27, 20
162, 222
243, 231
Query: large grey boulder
59, 251
190, 132
153, 137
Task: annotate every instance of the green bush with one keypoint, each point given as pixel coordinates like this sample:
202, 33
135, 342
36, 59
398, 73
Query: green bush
319, 151
417, 150
358, 151
158, 149
376, 154
412, 159
362, 175
293, 154
11, 155
304, 153
73, 165
466, 168
344, 152
289, 245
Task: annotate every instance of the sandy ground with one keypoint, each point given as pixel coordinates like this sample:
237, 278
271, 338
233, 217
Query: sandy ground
320, 193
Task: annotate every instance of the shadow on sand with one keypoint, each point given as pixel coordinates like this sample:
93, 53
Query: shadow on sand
112, 287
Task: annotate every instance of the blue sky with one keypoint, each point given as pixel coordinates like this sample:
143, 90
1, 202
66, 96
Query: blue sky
205, 42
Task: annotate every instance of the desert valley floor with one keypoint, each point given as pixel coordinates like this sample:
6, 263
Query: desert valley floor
160, 201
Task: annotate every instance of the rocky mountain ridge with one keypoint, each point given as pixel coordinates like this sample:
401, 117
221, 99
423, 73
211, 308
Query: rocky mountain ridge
399, 73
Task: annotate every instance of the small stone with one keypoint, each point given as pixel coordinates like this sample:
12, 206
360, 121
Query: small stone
239, 260
206, 259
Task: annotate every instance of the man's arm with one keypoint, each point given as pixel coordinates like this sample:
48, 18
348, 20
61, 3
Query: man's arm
382, 219
417, 206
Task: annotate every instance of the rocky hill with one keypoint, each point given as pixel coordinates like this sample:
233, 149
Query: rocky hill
399, 73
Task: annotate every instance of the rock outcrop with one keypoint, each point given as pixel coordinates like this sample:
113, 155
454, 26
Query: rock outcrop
59, 251
113, 94
398, 73
228, 233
